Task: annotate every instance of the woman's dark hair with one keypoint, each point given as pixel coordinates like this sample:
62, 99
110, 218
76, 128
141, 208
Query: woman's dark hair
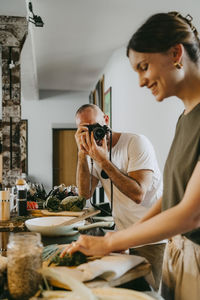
164, 30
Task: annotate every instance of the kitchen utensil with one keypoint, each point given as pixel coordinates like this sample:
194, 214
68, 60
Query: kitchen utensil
77, 219
94, 225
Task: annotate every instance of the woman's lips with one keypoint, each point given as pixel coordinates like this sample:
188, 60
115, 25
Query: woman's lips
153, 88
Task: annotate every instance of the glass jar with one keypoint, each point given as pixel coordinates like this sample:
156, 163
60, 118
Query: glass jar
24, 252
21, 197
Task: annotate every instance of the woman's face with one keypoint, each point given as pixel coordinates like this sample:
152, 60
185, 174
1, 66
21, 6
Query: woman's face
157, 72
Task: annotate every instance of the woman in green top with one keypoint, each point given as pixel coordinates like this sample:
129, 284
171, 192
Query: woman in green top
165, 52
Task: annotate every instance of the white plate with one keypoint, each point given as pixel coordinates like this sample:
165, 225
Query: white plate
46, 226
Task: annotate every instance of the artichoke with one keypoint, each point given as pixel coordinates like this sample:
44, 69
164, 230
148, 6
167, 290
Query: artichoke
52, 203
75, 259
73, 203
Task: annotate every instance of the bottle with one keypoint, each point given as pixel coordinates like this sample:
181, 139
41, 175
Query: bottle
4, 205
24, 253
21, 197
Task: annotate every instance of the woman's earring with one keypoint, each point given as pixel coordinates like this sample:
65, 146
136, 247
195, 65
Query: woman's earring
178, 65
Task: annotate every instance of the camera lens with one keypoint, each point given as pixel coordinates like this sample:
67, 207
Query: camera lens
99, 133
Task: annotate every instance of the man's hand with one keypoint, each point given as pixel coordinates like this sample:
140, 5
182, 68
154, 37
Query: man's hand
80, 136
96, 150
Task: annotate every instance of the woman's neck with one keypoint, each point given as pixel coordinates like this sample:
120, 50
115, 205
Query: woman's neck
189, 91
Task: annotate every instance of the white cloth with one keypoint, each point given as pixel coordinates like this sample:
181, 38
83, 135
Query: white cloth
131, 153
109, 267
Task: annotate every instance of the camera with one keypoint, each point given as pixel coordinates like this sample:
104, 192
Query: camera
98, 131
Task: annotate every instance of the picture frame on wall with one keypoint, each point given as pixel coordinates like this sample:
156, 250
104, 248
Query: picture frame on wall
92, 97
100, 92
107, 105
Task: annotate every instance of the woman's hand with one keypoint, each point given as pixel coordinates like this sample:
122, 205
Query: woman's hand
89, 245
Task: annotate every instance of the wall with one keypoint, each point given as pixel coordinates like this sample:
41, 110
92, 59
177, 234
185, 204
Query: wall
134, 109
43, 115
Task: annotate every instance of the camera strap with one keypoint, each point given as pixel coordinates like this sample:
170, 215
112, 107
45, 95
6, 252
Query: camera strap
111, 183
106, 176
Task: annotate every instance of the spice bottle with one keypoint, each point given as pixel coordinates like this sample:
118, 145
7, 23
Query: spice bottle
24, 252
21, 197
4, 205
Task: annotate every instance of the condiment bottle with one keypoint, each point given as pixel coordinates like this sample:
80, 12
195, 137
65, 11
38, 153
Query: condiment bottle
4, 205
24, 253
21, 197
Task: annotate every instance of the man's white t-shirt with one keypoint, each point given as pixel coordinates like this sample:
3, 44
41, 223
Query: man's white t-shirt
132, 152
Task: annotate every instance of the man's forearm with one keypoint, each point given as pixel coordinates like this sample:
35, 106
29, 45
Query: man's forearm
83, 176
127, 185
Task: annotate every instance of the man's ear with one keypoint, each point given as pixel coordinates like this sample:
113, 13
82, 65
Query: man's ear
177, 53
106, 118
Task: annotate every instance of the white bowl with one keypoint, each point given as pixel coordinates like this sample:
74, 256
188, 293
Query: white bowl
46, 226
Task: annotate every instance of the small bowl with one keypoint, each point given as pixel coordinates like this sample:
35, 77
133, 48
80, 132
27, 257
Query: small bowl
48, 226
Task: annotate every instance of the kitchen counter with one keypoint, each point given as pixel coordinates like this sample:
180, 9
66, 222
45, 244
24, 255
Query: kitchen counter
134, 277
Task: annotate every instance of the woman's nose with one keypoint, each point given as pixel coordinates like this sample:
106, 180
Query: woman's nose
142, 81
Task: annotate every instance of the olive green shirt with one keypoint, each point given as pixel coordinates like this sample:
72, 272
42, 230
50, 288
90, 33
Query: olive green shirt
182, 159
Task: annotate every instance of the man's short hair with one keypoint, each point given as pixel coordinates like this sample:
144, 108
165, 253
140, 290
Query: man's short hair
85, 106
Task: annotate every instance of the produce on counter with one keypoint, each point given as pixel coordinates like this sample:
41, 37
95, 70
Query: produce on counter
70, 203
52, 203
75, 259
58, 199
32, 205
36, 192
64, 277
73, 203
63, 191
49, 251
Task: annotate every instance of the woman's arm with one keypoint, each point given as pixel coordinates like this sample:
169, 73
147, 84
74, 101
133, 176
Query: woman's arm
179, 219
153, 211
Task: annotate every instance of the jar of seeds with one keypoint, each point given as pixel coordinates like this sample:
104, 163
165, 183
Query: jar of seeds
24, 252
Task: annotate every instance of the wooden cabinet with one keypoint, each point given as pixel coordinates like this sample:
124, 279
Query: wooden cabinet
64, 156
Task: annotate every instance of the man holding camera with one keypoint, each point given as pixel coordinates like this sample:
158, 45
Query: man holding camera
133, 170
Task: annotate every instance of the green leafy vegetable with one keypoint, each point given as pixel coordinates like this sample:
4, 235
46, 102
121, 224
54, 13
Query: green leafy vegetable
52, 203
76, 259
73, 203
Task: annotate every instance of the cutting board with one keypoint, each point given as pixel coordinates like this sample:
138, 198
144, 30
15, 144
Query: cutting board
141, 270
45, 213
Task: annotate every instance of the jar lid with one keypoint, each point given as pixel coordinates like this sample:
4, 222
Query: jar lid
20, 181
25, 237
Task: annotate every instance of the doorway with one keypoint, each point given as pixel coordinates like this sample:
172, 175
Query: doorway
65, 154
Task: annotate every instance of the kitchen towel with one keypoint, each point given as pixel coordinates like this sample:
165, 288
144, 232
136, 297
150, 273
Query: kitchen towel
109, 267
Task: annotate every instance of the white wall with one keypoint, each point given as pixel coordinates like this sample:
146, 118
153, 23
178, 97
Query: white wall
43, 115
135, 110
